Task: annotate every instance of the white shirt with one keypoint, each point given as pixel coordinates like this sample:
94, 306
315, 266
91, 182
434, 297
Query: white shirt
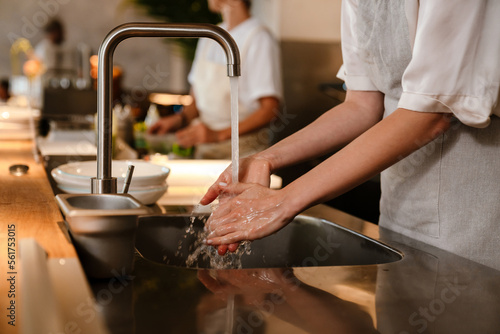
435, 56
55, 56
260, 62
455, 58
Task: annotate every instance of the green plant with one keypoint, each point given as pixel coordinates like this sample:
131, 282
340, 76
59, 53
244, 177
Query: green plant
180, 11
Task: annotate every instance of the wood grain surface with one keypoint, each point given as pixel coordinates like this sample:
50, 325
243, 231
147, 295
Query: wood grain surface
28, 202
27, 210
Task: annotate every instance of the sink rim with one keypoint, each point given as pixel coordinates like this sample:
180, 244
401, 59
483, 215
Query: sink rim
388, 250
69, 210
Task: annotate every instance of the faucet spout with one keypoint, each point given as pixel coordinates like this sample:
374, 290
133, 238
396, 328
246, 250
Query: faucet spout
104, 183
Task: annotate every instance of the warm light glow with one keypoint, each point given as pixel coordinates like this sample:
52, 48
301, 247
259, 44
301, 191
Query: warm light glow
94, 62
171, 99
32, 68
93, 66
5, 115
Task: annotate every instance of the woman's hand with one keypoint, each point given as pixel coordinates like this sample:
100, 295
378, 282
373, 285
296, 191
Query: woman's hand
166, 124
249, 212
252, 170
196, 134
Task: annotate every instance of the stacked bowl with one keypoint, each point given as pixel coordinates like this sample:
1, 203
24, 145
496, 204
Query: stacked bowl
17, 123
147, 186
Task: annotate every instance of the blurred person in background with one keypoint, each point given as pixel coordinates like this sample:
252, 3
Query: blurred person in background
57, 59
4, 90
205, 124
49, 49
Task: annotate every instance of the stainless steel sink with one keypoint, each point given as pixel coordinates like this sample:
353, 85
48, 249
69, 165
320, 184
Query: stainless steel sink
102, 227
305, 242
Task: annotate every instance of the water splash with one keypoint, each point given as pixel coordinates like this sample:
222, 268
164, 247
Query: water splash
208, 254
200, 255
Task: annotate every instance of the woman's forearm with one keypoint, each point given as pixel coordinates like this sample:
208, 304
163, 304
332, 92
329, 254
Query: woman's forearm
253, 211
331, 131
189, 113
386, 143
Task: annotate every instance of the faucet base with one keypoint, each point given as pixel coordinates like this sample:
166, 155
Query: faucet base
103, 186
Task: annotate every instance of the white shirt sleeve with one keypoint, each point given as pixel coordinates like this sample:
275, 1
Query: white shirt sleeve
262, 72
455, 65
353, 72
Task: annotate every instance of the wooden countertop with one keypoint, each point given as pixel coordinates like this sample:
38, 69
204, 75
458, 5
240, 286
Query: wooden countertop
28, 202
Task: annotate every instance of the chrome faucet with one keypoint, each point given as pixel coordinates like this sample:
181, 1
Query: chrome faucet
104, 183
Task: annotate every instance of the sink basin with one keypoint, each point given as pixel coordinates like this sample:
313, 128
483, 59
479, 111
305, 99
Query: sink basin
102, 228
305, 242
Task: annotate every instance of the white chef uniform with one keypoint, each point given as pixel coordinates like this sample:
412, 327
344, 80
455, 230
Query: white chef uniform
260, 77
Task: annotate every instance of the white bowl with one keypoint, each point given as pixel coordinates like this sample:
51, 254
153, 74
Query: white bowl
14, 126
15, 134
79, 173
146, 195
19, 115
86, 187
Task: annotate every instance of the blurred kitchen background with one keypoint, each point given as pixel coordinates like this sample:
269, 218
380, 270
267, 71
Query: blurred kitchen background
308, 32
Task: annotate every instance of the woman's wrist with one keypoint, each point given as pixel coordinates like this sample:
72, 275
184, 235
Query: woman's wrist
223, 135
183, 121
288, 204
267, 157
296, 197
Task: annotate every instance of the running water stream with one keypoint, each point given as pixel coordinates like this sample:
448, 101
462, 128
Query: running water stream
217, 261
235, 142
235, 156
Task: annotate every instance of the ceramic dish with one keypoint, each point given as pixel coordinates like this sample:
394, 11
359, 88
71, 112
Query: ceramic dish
9, 114
79, 173
15, 135
147, 195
